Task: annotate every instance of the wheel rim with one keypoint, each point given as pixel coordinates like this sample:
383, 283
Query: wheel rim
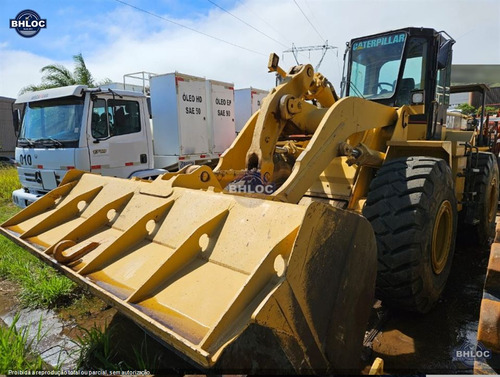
492, 205
441, 237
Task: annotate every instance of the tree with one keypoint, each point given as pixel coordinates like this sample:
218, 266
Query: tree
491, 110
56, 75
467, 109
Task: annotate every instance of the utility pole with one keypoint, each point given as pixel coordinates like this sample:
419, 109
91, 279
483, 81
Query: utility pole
295, 51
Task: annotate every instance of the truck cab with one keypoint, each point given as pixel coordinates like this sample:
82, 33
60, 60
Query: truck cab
98, 130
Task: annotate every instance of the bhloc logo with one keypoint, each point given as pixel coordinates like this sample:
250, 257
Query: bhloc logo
251, 183
467, 353
28, 23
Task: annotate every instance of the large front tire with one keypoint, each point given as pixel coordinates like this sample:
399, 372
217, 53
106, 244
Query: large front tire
411, 205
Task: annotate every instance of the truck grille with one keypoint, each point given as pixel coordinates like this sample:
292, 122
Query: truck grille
30, 177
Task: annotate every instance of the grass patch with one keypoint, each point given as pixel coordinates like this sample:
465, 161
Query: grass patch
41, 285
9, 182
7, 211
16, 346
99, 349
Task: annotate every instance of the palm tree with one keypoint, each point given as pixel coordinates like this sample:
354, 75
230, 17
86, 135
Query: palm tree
56, 75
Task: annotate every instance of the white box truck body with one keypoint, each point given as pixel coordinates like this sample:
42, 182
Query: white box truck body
179, 113
220, 97
247, 101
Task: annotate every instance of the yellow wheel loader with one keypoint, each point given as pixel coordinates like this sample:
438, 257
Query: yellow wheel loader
270, 261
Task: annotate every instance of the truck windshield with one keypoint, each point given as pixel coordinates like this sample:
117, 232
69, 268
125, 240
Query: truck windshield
52, 123
375, 64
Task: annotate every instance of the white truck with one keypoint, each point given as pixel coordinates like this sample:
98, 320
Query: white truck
110, 132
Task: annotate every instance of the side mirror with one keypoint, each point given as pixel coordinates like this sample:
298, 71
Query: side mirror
417, 97
16, 117
444, 53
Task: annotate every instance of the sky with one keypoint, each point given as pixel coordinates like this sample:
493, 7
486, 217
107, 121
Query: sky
225, 40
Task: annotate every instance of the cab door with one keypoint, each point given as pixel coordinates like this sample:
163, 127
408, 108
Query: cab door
117, 138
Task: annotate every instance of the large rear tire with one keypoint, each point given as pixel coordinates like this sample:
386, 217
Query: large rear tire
411, 205
486, 188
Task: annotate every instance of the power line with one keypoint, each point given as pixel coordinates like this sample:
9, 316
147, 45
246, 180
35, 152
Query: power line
189, 28
270, 26
246, 23
312, 14
308, 20
263, 20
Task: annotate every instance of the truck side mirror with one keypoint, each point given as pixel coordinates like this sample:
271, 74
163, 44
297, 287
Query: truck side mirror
444, 53
16, 117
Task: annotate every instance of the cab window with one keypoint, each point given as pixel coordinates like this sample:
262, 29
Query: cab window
414, 71
126, 116
375, 65
115, 117
100, 119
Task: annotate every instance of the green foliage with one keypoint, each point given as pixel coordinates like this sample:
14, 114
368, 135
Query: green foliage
16, 346
144, 360
489, 110
471, 110
56, 75
81, 73
9, 181
41, 286
467, 109
98, 348
46, 288
7, 210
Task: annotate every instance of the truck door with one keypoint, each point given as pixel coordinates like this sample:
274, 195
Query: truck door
117, 139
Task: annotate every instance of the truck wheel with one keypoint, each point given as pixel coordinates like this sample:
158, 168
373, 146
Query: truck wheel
486, 187
411, 205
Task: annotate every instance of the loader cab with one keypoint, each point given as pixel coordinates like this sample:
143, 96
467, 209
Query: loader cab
409, 66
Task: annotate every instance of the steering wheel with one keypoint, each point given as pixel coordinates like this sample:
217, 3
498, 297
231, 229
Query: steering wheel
379, 85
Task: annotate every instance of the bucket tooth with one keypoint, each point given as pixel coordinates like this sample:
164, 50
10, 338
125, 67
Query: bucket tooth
94, 222
130, 237
181, 257
43, 206
61, 215
260, 281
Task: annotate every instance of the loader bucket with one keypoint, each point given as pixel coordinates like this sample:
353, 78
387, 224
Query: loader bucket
231, 283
